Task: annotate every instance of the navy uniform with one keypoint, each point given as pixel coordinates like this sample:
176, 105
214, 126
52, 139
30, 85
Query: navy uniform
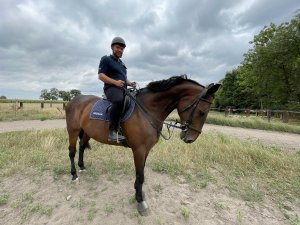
114, 68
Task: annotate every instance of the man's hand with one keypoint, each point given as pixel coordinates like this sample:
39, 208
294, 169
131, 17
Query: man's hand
119, 83
132, 84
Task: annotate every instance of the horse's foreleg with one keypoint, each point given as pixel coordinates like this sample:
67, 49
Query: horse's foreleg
139, 161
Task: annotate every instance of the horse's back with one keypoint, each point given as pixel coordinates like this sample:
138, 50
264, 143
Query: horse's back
76, 107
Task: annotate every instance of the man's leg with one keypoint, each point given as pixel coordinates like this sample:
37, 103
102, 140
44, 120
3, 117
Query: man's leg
116, 96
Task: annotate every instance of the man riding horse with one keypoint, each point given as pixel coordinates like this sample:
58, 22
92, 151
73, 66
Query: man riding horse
113, 72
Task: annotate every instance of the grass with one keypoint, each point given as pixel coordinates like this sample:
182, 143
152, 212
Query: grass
27, 206
185, 212
80, 204
92, 212
108, 209
31, 111
252, 122
218, 206
158, 188
294, 220
4, 198
248, 170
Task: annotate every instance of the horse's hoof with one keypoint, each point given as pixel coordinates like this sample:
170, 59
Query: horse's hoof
75, 180
143, 208
82, 170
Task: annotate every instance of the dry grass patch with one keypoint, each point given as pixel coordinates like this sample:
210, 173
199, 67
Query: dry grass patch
31, 111
248, 170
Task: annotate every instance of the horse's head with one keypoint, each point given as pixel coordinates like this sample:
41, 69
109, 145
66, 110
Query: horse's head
193, 111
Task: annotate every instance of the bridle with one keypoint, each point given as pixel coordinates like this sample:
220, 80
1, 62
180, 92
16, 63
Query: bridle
185, 126
192, 107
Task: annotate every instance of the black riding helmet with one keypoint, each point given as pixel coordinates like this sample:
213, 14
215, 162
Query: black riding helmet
119, 41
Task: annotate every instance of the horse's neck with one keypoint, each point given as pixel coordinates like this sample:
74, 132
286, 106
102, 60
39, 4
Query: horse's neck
161, 104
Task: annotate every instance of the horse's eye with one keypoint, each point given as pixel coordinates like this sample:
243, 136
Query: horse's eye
201, 113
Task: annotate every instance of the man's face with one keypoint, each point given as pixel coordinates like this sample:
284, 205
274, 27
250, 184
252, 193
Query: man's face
117, 50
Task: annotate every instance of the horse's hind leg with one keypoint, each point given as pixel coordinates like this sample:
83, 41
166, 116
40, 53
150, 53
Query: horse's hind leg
72, 152
83, 144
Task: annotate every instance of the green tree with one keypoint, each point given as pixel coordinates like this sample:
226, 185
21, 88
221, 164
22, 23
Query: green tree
270, 70
45, 94
234, 92
65, 95
3, 97
54, 92
74, 93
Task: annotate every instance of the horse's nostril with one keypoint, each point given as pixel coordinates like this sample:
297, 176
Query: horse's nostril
189, 141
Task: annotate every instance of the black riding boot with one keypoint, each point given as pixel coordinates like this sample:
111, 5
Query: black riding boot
114, 135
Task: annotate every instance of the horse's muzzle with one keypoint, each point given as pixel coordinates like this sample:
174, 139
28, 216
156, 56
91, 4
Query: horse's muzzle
185, 137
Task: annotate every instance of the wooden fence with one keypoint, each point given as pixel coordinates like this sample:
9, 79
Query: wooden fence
20, 104
284, 115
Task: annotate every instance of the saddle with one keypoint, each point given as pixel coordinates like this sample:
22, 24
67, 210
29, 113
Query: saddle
101, 109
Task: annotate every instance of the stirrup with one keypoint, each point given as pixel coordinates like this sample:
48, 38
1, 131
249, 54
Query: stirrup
116, 137
122, 138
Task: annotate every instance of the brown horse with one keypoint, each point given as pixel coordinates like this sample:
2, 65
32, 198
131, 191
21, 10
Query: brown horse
142, 130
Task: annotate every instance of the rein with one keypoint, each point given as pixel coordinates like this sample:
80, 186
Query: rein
184, 127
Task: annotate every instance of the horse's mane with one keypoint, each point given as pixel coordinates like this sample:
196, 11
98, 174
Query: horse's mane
163, 85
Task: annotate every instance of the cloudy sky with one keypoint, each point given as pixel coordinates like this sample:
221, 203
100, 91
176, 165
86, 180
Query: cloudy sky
53, 43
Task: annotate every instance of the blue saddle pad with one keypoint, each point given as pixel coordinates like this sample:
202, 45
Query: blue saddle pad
99, 110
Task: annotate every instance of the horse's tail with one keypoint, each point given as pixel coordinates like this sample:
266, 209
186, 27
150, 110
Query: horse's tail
83, 144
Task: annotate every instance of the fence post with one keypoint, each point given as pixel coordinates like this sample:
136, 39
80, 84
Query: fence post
285, 116
42, 105
226, 112
21, 105
64, 106
269, 115
247, 111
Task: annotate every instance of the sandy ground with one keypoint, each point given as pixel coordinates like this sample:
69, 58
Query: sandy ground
287, 141
109, 200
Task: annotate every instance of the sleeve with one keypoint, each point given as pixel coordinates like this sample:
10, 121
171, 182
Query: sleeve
103, 65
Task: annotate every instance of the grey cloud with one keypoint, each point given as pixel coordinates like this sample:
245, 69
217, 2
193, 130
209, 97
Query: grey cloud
261, 13
59, 44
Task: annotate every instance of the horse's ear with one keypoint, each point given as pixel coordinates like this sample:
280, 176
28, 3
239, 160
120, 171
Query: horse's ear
209, 86
212, 88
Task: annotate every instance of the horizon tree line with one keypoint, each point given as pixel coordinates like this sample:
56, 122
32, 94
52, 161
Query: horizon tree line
55, 94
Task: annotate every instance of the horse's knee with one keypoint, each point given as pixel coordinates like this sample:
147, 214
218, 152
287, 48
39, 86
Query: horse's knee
141, 178
72, 154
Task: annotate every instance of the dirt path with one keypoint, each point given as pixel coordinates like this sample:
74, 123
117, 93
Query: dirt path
31, 125
287, 141
283, 140
41, 199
